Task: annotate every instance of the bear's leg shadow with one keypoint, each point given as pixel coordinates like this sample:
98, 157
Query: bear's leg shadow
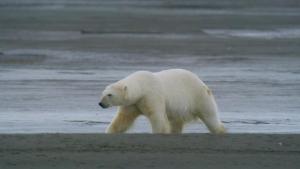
123, 120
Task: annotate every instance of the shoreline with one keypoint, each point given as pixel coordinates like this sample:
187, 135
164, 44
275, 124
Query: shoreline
149, 151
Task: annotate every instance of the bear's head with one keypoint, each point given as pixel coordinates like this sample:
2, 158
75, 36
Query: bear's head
114, 95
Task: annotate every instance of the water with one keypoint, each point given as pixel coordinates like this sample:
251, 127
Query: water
264, 34
55, 59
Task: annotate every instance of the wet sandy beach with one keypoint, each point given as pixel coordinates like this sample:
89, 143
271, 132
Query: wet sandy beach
134, 151
57, 56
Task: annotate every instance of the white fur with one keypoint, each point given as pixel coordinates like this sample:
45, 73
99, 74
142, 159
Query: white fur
169, 99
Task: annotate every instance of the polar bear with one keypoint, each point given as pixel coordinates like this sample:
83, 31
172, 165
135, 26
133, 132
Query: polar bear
169, 99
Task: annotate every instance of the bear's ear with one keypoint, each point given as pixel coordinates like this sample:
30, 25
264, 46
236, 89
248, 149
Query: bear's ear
125, 93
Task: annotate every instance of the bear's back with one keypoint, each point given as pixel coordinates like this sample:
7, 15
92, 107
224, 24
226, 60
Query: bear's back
179, 78
180, 88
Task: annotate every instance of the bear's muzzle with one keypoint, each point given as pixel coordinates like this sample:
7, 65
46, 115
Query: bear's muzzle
103, 105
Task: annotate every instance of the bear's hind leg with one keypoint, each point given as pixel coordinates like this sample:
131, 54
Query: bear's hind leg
123, 120
213, 123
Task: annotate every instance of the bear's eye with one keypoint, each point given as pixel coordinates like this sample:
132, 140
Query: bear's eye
109, 95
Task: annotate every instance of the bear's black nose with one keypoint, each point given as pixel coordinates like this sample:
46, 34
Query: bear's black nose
102, 105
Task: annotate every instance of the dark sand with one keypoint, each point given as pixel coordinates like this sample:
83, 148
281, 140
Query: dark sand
149, 151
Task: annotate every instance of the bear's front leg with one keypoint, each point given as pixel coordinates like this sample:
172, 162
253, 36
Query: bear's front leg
154, 109
123, 120
176, 126
159, 122
157, 117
